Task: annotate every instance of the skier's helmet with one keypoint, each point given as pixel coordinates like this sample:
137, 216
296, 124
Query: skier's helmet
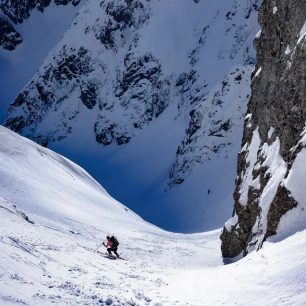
107, 237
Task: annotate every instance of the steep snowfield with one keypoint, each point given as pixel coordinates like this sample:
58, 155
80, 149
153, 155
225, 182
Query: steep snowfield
53, 216
29, 174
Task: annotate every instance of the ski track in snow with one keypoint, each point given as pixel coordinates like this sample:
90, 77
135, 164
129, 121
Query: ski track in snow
46, 265
42, 265
54, 215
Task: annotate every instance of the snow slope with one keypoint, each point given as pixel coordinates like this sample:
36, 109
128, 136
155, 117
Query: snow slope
53, 215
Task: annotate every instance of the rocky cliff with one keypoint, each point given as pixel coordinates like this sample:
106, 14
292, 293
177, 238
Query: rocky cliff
269, 195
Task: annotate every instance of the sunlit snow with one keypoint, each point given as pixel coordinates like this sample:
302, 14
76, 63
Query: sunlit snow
54, 215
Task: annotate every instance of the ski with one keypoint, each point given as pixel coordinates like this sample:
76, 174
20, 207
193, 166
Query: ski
113, 257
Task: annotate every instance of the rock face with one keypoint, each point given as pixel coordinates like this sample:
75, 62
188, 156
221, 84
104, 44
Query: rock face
9, 37
268, 182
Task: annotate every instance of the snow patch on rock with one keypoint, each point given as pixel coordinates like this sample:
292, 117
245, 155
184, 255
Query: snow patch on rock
276, 170
251, 157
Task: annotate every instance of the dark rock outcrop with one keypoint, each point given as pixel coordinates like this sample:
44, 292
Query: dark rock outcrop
9, 37
121, 15
143, 95
272, 132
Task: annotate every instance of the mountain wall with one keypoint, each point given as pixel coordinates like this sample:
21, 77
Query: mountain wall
270, 197
156, 92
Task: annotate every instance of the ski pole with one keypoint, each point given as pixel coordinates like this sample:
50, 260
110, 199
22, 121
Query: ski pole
99, 247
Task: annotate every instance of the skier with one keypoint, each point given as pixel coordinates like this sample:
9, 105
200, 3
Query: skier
111, 245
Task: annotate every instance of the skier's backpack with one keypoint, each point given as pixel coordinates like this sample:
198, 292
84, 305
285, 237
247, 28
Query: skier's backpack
114, 241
